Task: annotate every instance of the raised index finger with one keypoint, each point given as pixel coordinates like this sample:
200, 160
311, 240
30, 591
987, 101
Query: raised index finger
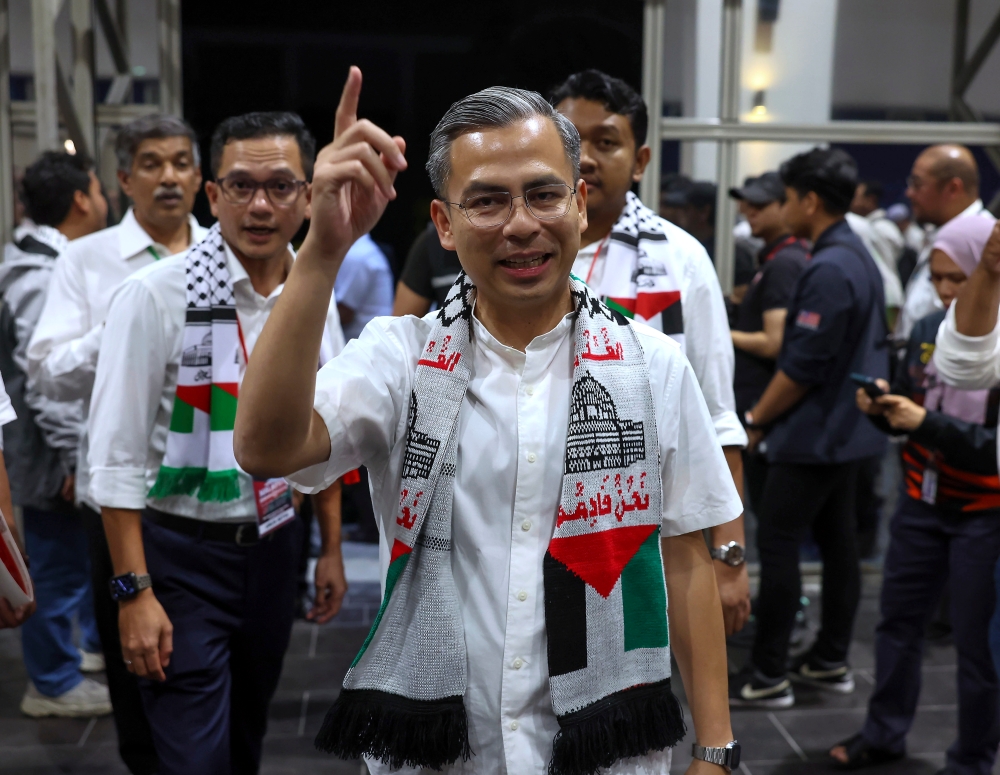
347, 110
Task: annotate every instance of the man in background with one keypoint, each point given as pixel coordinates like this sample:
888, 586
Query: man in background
364, 286
943, 184
760, 317
62, 197
159, 168
650, 270
428, 274
867, 203
835, 326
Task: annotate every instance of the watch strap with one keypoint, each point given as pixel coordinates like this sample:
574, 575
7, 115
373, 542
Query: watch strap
727, 756
144, 581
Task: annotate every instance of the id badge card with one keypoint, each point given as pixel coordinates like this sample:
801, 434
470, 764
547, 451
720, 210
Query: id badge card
928, 490
274, 504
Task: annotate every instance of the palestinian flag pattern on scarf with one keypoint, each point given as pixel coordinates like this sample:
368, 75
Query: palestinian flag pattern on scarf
199, 459
640, 273
605, 594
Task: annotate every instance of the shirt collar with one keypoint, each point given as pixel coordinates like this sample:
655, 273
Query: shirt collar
515, 358
238, 274
133, 239
840, 227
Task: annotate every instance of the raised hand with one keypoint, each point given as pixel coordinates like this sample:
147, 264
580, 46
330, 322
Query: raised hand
353, 177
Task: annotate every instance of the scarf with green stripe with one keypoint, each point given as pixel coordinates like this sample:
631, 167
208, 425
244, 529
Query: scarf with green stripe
640, 277
605, 594
199, 458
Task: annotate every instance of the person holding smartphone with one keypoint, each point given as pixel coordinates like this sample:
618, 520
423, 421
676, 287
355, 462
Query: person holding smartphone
945, 526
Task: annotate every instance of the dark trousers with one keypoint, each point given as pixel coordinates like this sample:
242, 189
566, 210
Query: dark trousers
925, 549
755, 472
232, 609
135, 741
797, 497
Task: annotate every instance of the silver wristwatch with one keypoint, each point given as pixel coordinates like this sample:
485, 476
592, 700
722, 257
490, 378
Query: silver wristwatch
733, 554
727, 757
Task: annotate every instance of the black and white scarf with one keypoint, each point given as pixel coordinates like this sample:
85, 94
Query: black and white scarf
605, 594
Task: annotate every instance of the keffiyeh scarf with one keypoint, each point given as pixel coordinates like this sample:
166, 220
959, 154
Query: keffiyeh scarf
605, 594
199, 459
640, 278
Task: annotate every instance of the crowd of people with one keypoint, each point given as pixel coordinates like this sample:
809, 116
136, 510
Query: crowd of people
552, 424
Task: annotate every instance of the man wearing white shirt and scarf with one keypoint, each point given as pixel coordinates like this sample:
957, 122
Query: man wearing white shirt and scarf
160, 170
206, 557
528, 446
651, 270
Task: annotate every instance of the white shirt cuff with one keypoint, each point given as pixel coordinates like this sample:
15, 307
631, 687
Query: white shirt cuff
729, 430
951, 339
318, 477
119, 488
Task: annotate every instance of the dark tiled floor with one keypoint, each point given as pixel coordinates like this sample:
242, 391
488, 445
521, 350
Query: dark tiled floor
789, 742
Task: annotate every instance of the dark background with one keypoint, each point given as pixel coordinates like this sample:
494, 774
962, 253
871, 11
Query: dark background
417, 58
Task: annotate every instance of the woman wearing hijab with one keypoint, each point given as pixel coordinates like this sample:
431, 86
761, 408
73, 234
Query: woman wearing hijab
946, 526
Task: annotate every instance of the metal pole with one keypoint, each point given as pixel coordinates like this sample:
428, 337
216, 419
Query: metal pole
729, 111
83, 71
6, 146
171, 98
43, 23
653, 33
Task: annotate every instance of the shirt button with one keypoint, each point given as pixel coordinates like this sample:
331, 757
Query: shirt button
530, 390
513, 726
522, 595
532, 457
518, 663
526, 525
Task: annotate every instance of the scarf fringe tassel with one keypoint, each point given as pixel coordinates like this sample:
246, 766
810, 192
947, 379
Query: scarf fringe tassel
396, 730
211, 486
630, 723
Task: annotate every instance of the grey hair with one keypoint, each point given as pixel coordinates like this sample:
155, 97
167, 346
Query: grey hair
153, 126
494, 108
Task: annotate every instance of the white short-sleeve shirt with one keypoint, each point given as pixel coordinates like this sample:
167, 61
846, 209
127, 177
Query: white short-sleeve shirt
7, 413
512, 439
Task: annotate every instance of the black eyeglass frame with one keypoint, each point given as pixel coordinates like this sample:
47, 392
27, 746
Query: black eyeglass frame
258, 185
461, 205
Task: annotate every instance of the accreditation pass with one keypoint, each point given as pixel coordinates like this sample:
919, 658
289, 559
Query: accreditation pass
274, 504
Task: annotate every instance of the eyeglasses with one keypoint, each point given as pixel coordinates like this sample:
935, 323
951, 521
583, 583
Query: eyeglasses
493, 208
241, 190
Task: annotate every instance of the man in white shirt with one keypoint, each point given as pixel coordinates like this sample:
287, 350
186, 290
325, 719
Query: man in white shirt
159, 168
868, 204
492, 651
668, 281
220, 550
364, 286
943, 184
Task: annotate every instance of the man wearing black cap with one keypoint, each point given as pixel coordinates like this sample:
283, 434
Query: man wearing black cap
760, 318
835, 327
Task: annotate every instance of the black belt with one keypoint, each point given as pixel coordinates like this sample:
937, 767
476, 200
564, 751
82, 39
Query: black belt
239, 533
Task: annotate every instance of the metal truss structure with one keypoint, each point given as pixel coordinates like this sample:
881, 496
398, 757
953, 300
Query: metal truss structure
728, 131
69, 102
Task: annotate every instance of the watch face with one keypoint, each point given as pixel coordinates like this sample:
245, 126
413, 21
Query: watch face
123, 587
735, 554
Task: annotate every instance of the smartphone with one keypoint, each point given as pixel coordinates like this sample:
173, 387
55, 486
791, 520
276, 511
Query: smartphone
868, 384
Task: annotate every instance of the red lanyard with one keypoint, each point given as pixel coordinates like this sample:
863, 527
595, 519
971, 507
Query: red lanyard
780, 246
597, 253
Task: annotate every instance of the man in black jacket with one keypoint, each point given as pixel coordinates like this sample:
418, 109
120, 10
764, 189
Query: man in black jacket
815, 434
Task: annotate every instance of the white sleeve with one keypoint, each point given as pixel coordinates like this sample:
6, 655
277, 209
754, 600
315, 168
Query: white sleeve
361, 396
354, 280
127, 393
62, 354
698, 490
709, 348
967, 362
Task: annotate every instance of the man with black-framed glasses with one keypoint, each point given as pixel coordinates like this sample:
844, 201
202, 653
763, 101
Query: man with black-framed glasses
205, 557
